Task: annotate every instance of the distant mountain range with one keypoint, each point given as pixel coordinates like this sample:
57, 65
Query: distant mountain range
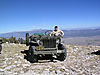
68, 33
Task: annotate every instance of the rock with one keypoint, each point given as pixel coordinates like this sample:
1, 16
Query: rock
25, 65
11, 66
22, 72
2, 70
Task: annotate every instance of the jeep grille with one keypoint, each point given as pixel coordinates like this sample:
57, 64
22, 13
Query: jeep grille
49, 42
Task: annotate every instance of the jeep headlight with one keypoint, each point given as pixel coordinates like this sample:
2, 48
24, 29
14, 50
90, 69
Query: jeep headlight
40, 42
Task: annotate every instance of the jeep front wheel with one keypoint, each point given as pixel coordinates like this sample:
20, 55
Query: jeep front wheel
33, 58
62, 56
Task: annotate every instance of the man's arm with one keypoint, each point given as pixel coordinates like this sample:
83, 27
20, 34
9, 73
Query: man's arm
62, 33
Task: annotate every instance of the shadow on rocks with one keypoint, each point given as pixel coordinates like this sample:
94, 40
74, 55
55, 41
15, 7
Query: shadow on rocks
96, 53
26, 56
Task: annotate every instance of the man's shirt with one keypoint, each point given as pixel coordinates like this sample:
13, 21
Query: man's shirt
57, 33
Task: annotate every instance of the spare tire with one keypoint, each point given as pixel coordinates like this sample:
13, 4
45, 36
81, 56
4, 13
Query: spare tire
27, 39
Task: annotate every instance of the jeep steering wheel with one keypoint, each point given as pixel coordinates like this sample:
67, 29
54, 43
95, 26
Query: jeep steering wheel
48, 32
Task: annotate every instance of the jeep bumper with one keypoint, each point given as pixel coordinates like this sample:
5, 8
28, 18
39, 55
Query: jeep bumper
49, 52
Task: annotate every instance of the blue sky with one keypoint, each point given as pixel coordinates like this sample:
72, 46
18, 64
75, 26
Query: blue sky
24, 15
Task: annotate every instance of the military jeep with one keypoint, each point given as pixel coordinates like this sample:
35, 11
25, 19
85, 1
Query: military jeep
45, 47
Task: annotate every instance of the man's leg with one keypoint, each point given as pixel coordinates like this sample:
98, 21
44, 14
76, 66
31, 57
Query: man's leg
60, 40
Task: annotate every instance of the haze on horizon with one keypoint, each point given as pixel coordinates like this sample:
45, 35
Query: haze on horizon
25, 15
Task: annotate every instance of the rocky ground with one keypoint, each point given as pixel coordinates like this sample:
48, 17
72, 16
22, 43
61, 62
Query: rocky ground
79, 61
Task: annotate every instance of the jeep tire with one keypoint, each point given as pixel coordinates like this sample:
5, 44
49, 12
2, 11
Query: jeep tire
62, 56
32, 58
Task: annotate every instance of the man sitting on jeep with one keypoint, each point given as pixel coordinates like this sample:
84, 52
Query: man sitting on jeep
57, 32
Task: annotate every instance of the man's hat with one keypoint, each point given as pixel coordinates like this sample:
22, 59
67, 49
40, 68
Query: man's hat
56, 26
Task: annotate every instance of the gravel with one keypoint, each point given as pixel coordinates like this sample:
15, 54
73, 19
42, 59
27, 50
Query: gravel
79, 61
